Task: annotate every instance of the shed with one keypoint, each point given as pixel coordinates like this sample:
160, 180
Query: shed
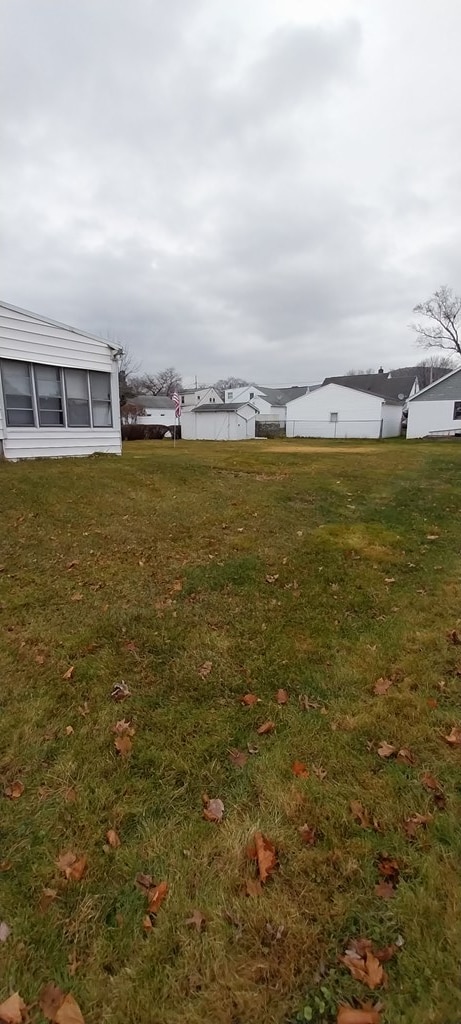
340, 410
436, 410
230, 421
59, 392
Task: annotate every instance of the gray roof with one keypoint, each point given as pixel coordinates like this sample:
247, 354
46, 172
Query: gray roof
447, 388
280, 396
221, 407
152, 402
393, 389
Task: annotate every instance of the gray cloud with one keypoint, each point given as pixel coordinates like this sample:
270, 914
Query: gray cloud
235, 191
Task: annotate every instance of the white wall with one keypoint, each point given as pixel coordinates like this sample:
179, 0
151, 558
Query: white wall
28, 337
218, 426
392, 420
201, 397
359, 414
426, 416
152, 417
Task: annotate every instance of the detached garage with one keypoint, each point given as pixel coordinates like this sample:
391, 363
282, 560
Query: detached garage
436, 410
226, 422
358, 406
59, 390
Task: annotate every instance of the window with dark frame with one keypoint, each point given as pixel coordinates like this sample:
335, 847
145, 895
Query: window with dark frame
457, 411
77, 398
17, 391
100, 398
333, 417
48, 387
48, 396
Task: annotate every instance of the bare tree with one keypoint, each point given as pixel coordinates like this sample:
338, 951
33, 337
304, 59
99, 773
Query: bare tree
432, 369
360, 373
164, 382
230, 382
441, 328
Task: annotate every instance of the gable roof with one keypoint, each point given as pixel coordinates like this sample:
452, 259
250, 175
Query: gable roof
57, 323
436, 383
280, 396
152, 402
394, 389
222, 407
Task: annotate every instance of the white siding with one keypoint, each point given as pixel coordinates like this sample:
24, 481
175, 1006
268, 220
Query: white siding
200, 397
359, 414
425, 416
218, 426
392, 420
153, 417
29, 338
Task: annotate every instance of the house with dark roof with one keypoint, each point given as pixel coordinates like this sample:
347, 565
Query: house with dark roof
367, 405
271, 403
435, 411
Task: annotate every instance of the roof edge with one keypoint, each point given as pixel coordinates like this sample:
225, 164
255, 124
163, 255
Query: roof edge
59, 323
434, 382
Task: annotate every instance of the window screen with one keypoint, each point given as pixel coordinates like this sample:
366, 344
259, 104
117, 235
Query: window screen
333, 417
17, 389
49, 396
77, 398
457, 411
100, 399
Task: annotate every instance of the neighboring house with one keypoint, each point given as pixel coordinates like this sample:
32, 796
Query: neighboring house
271, 403
59, 392
229, 421
436, 410
190, 397
154, 410
366, 405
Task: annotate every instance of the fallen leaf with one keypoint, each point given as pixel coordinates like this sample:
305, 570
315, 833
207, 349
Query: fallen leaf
205, 669
307, 704
213, 810
72, 867
47, 898
432, 703
14, 791
454, 737
6, 865
72, 564
253, 887
405, 756
282, 697
123, 745
387, 952
5, 931
265, 854
58, 1007
70, 795
265, 727
359, 814
197, 920
113, 839
320, 772
252, 749
120, 691
77, 597
147, 923
411, 825
13, 1010
238, 758
123, 728
389, 868
382, 685
348, 1015
249, 699
176, 586
308, 835
432, 536
429, 782
272, 579
299, 769
69, 730
84, 709
386, 749
389, 579
385, 890
366, 969
143, 882
156, 897
69, 673
453, 636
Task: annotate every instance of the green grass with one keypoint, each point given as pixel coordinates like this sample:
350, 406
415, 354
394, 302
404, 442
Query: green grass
334, 522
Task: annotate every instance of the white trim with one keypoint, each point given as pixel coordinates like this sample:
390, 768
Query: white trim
57, 323
434, 383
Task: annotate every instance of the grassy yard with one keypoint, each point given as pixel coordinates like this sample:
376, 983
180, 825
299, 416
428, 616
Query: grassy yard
197, 576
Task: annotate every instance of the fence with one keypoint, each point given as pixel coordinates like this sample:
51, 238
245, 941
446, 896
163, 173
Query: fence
338, 429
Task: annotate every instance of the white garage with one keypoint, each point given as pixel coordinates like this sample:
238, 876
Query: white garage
225, 422
436, 410
359, 406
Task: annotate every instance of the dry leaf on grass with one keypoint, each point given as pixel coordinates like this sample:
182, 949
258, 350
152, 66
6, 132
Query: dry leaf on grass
405, 756
411, 825
362, 817
432, 784
249, 699
213, 809
307, 704
299, 769
320, 772
77, 597
366, 968
156, 897
454, 737
385, 890
366, 1015
58, 1007
282, 697
5, 931
69, 730
386, 749
205, 669
308, 835
13, 1010
72, 867
453, 636
253, 887
143, 882
46, 899
14, 791
70, 795
113, 839
147, 923
238, 758
70, 672
123, 745
197, 920
264, 853
71, 565
265, 727
252, 748
123, 728
382, 686
120, 691
273, 578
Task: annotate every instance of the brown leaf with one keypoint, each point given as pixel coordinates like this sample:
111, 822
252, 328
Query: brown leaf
197, 920
113, 839
432, 703
253, 887
69, 730
320, 772
6, 865
388, 868
282, 697
143, 882
156, 897
411, 825
265, 855
385, 890
13, 1010
366, 969
51, 998
77, 596
123, 745
238, 758
205, 669
147, 923
454, 737
5, 931
405, 756
123, 728
72, 867
386, 953
265, 727
272, 579
14, 791
359, 814
70, 795
84, 709
249, 699
386, 749
308, 835
453, 636
382, 685
430, 782
213, 810
348, 1015
72, 564
299, 769
70, 672
120, 691
47, 898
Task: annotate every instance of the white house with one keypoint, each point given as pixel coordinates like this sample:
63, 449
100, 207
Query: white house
366, 405
58, 389
191, 397
271, 403
224, 422
436, 410
154, 410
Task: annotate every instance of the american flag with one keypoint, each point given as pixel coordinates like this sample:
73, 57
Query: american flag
177, 404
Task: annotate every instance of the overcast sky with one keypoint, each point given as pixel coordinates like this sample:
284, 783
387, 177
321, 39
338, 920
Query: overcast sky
255, 187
